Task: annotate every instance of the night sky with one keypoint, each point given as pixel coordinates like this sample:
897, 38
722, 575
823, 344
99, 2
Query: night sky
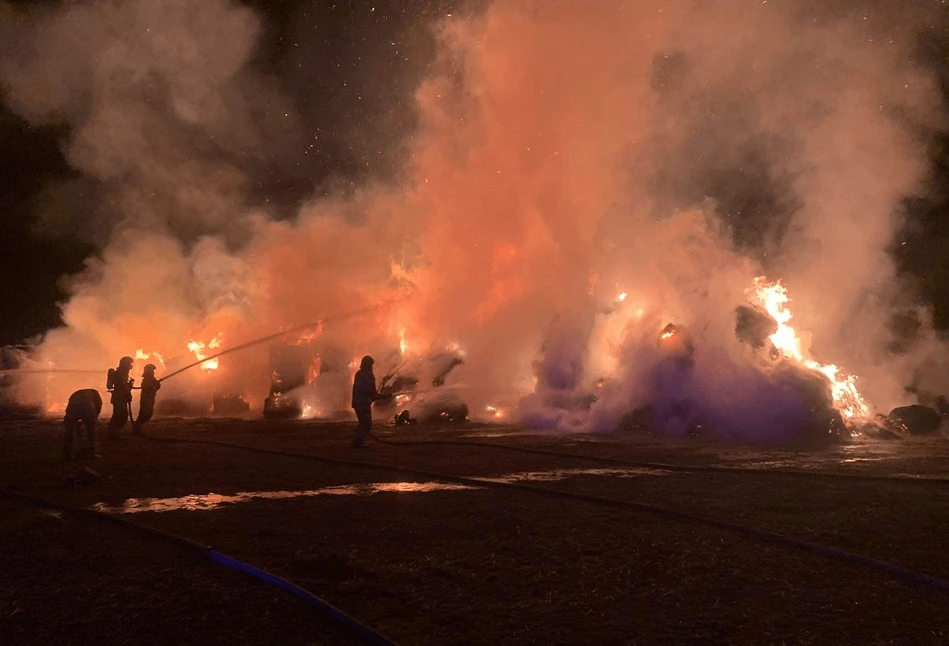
378, 51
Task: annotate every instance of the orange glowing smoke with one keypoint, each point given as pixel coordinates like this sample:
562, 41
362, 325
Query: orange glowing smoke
774, 298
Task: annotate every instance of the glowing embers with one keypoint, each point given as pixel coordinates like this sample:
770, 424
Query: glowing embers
623, 303
774, 298
310, 411
676, 342
495, 412
202, 350
56, 408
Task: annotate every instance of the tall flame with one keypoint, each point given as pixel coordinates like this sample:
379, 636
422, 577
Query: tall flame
198, 349
773, 296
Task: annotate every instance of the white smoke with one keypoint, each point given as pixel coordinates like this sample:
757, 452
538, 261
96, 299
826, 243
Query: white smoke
529, 202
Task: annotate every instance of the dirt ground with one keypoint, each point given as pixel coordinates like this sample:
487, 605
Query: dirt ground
424, 564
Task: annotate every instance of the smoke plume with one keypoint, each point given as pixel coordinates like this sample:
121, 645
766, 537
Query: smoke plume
565, 154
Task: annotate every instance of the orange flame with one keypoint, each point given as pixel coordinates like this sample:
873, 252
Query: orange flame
495, 412
149, 355
774, 298
198, 349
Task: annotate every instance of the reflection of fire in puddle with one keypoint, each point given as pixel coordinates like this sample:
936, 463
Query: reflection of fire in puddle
210, 501
213, 501
560, 474
489, 434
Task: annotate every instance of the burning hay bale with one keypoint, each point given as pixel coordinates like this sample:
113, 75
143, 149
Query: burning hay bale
824, 422
445, 407
676, 342
431, 405
229, 405
882, 428
792, 404
916, 419
280, 406
289, 370
754, 326
405, 419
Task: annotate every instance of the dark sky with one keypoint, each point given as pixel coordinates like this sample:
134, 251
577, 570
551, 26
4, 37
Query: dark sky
380, 50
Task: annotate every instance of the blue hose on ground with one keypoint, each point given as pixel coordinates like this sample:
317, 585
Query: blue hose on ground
218, 558
330, 611
910, 576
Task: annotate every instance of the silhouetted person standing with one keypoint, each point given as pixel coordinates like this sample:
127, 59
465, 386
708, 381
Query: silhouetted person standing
82, 411
121, 387
364, 393
146, 403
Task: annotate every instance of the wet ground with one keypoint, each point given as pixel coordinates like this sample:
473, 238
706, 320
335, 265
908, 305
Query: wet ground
428, 561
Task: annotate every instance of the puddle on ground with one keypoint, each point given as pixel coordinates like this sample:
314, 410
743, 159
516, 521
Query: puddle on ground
489, 434
207, 502
561, 474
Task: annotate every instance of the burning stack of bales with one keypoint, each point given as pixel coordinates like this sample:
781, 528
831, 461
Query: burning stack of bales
673, 410
289, 371
419, 393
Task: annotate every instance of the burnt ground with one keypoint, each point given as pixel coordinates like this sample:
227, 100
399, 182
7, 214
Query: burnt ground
473, 566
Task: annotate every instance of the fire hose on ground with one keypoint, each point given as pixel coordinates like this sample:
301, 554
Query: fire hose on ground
666, 466
764, 536
757, 534
223, 560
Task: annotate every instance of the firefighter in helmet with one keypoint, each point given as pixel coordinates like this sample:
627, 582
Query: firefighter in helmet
120, 385
146, 402
364, 394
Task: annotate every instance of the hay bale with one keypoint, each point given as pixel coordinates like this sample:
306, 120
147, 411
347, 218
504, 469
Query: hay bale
85, 477
916, 419
753, 326
878, 432
229, 405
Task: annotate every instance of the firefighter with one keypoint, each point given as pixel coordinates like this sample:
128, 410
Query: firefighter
120, 385
364, 393
146, 402
82, 411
